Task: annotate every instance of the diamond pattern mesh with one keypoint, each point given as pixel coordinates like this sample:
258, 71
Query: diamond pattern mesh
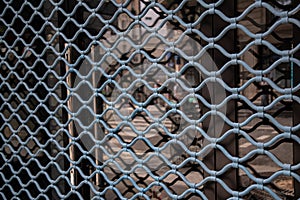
146, 99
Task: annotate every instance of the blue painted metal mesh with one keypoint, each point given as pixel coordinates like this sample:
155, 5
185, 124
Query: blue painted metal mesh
109, 100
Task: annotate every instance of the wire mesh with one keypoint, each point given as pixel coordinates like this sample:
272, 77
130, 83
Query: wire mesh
146, 99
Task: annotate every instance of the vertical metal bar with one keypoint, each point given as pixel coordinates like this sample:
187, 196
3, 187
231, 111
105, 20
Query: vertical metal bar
209, 160
296, 107
70, 56
70, 125
57, 20
216, 160
64, 113
97, 132
230, 78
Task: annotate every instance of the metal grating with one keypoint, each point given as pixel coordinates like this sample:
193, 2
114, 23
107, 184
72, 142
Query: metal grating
146, 99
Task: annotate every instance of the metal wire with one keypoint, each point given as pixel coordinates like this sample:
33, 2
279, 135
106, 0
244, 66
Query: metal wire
66, 81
